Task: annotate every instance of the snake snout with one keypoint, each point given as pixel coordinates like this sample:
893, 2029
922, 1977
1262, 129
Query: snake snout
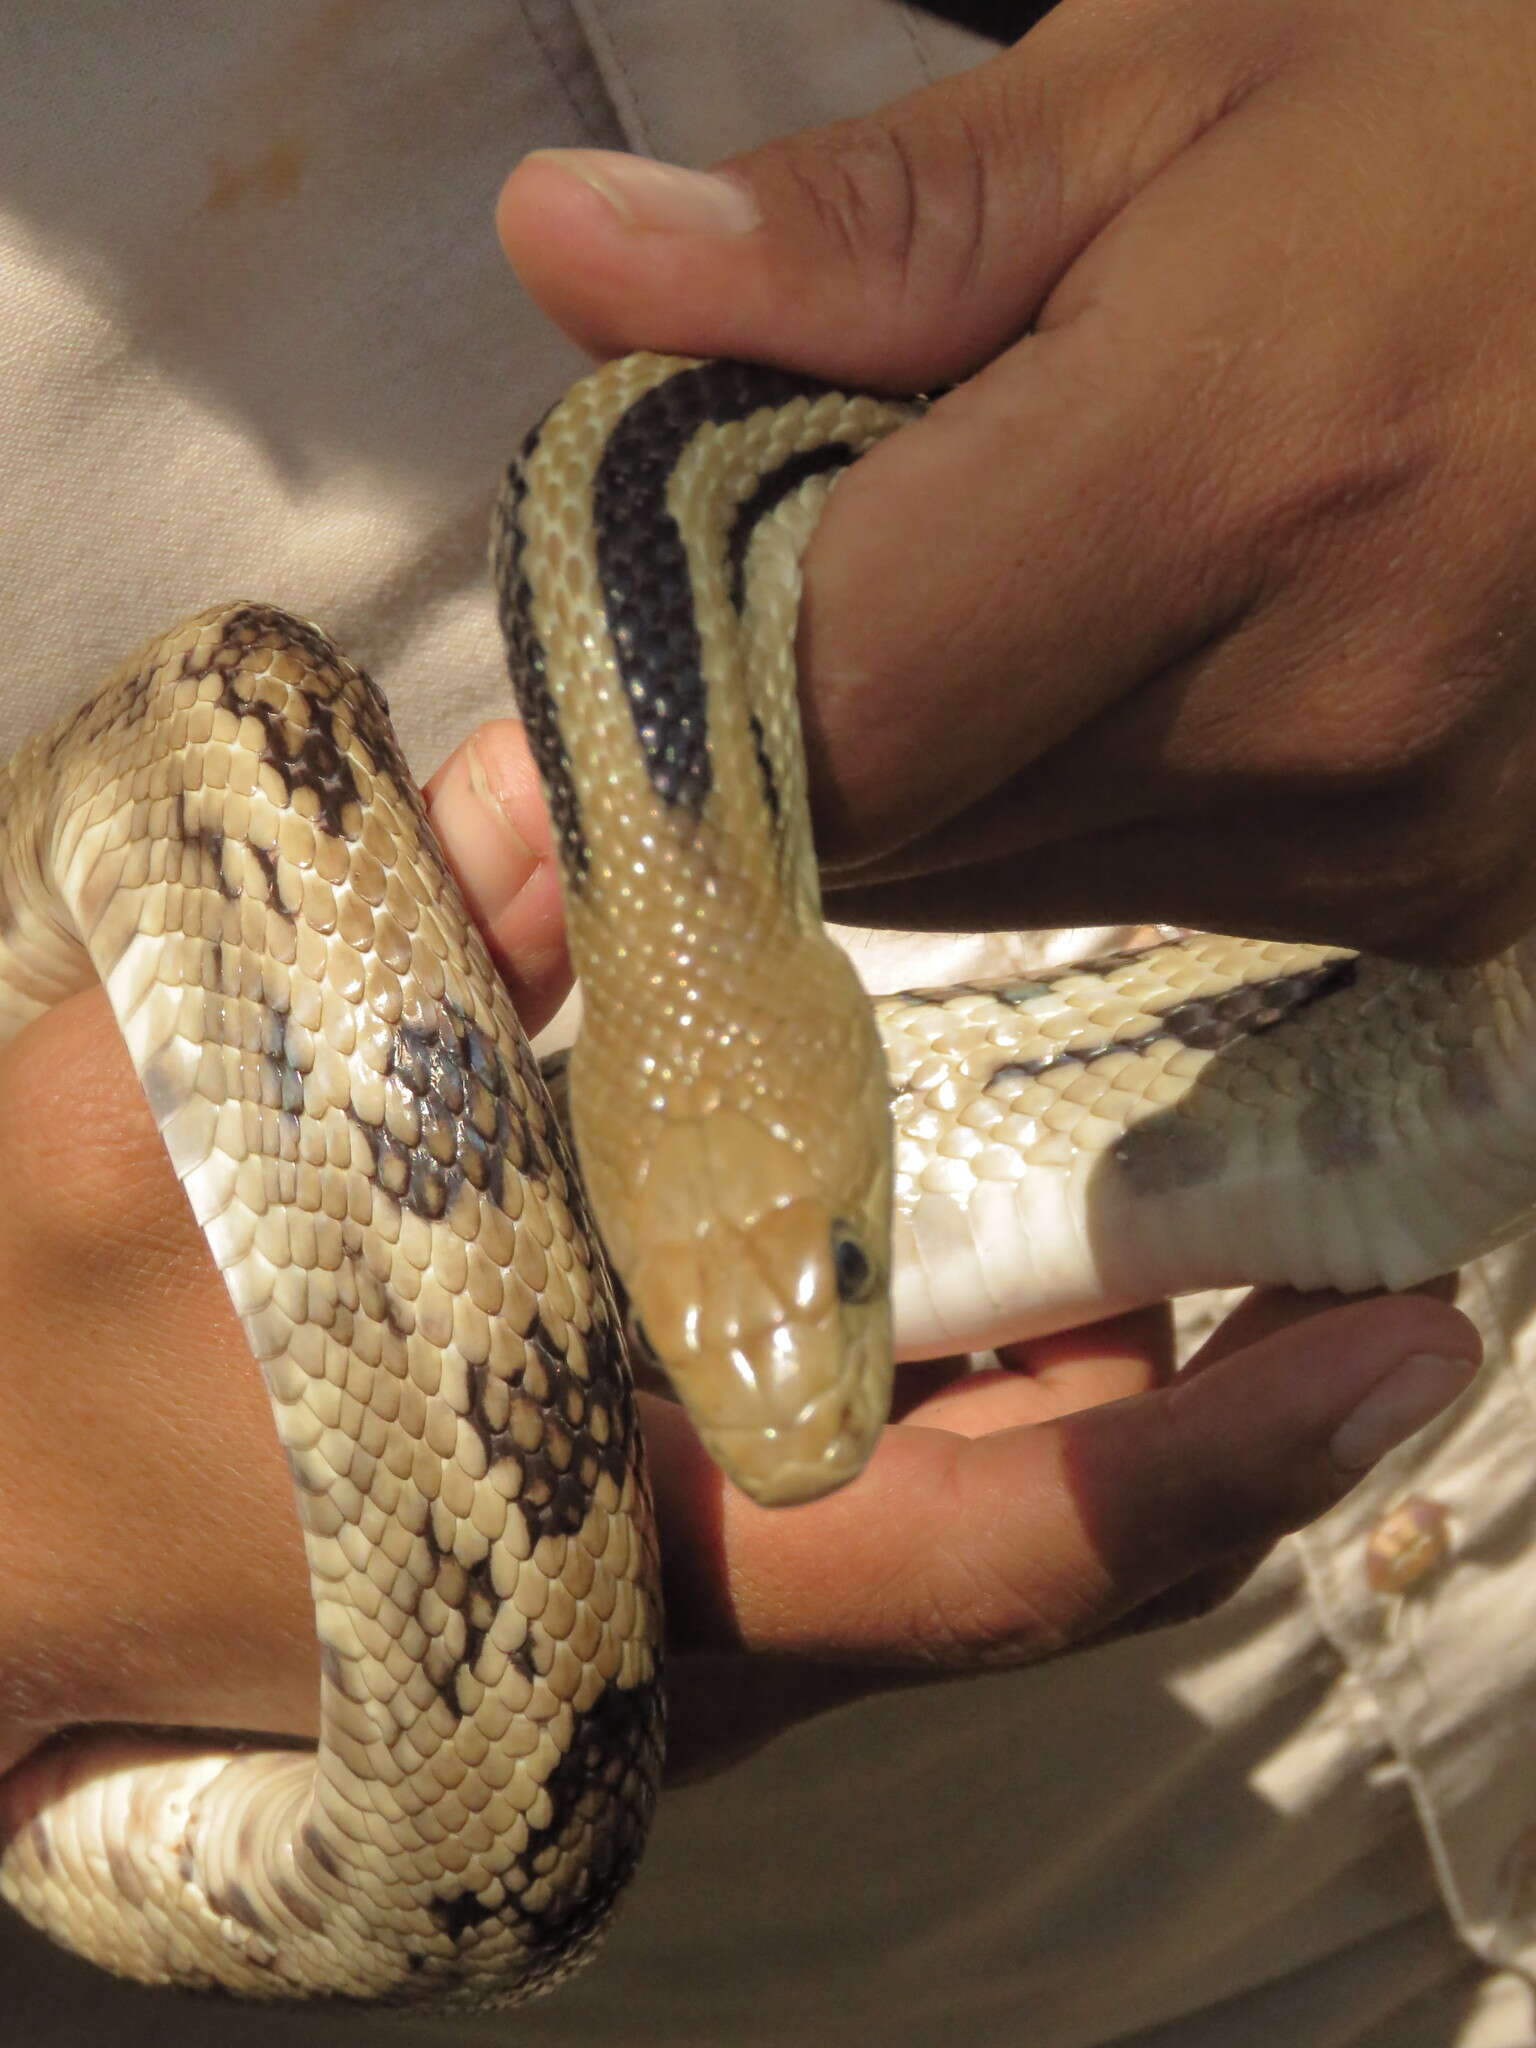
781, 1467
768, 1314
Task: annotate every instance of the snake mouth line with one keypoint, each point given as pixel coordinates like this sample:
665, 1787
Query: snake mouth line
760, 1461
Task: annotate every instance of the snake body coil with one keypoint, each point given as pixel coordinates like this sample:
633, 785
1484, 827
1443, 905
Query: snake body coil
226, 836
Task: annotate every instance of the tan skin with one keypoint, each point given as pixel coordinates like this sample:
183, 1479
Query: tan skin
1236, 587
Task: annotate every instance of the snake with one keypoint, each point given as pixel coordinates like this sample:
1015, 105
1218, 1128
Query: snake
777, 1187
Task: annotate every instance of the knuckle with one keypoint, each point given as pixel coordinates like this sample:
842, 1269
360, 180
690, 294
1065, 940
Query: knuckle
856, 182
1317, 471
1191, 64
1450, 780
1469, 894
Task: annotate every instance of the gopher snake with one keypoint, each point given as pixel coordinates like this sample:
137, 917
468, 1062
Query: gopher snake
225, 834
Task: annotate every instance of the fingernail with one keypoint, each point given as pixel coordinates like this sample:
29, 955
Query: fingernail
1412, 1394
488, 854
660, 198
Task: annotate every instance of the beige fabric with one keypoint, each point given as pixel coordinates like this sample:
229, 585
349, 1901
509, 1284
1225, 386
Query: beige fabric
256, 338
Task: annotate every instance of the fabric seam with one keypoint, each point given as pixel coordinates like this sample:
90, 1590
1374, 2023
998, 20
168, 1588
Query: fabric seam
616, 81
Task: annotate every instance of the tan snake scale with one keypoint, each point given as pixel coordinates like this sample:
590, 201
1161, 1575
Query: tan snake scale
226, 836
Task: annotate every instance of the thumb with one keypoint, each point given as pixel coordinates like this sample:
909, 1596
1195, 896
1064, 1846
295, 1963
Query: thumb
902, 249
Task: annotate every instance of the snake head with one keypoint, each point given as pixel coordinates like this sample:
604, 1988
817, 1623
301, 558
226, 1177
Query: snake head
763, 1295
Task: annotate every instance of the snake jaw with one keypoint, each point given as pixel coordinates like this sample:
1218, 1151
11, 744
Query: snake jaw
781, 1455
824, 1449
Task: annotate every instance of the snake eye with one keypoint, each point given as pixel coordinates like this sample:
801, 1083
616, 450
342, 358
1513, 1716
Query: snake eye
851, 1263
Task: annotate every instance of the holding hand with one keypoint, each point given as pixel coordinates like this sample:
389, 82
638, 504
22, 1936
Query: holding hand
1207, 595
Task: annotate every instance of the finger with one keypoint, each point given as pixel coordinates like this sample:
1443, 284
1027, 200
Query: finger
1419, 866
901, 249
1210, 547
1126, 498
1264, 1311
1269, 1309
993, 1550
1113, 496
1073, 562
488, 813
1105, 1361
1341, 871
1045, 1377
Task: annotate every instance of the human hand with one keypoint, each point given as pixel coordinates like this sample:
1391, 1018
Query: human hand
1208, 595
150, 1565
